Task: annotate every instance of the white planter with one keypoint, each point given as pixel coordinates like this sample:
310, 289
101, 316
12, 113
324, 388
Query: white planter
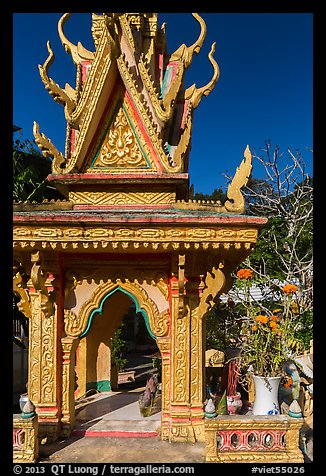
266, 395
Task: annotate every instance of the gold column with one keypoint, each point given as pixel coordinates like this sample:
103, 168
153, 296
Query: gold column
164, 344
180, 427
44, 378
69, 346
197, 365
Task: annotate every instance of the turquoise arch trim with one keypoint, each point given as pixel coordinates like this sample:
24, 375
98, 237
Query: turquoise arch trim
99, 310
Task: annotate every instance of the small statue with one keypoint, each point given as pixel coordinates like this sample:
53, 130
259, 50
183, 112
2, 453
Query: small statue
28, 410
295, 410
210, 409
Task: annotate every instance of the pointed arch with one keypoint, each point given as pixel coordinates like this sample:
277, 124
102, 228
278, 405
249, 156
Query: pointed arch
156, 322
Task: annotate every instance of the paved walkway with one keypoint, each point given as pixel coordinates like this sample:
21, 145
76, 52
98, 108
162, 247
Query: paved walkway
121, 450
102, 416
111, 412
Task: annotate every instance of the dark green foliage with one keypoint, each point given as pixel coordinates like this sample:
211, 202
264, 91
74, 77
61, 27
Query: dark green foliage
223, 324
216, 195
30, 170
118, 348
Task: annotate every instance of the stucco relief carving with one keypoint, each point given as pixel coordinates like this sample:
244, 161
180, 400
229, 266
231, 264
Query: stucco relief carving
75, 324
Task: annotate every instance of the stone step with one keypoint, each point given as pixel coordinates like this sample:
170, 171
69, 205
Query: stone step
119, 428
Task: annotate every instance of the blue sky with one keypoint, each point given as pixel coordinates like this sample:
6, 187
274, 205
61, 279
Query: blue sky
265, 90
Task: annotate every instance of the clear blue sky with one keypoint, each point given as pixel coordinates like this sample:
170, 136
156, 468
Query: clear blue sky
265, 90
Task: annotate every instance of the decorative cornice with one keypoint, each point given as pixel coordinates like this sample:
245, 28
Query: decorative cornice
162, 238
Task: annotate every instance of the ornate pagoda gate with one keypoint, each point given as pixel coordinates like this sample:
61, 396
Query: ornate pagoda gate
128, 229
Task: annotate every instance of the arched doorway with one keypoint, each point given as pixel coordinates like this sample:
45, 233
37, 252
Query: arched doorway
89, 337
95, 365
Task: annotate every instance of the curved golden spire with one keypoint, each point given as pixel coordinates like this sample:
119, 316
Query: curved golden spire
49, 150
186, 52
236, 202
64, 96
195, 95
78, 52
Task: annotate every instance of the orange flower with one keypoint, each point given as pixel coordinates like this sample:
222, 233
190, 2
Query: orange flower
288, 383
290, 289
254, 327
274, 318
273, 325
245, 273
262, 319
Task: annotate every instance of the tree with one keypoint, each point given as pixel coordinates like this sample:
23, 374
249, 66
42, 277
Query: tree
285, 196
30, 170
284, 251
216, 195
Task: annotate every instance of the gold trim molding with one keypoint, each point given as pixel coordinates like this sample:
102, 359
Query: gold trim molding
122, 198
160, 234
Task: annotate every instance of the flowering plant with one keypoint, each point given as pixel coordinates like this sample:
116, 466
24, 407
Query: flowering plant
268, 334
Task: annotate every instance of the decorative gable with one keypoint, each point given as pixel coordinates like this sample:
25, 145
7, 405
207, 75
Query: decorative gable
130, 118
120, 147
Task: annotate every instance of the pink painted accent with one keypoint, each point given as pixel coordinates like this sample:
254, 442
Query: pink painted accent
46, 409
115, 434
72, 139
184, 115
84, 177
16, 439
160, 66
176, 65
118, 207
98, 128
143, 130
85, 67
180, 419
243, 444
90, 218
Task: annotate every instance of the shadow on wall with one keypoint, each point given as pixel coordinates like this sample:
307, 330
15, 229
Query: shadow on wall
93, 357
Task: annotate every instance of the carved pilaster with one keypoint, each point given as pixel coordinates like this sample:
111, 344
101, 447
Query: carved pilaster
180, 342
69, 345
164, 345
43, 381
188, 368
180, 429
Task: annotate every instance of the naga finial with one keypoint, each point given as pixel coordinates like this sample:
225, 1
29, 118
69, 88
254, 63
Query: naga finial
236, 202
49, 150
187, 52
66, 96
195, 95
78, 53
